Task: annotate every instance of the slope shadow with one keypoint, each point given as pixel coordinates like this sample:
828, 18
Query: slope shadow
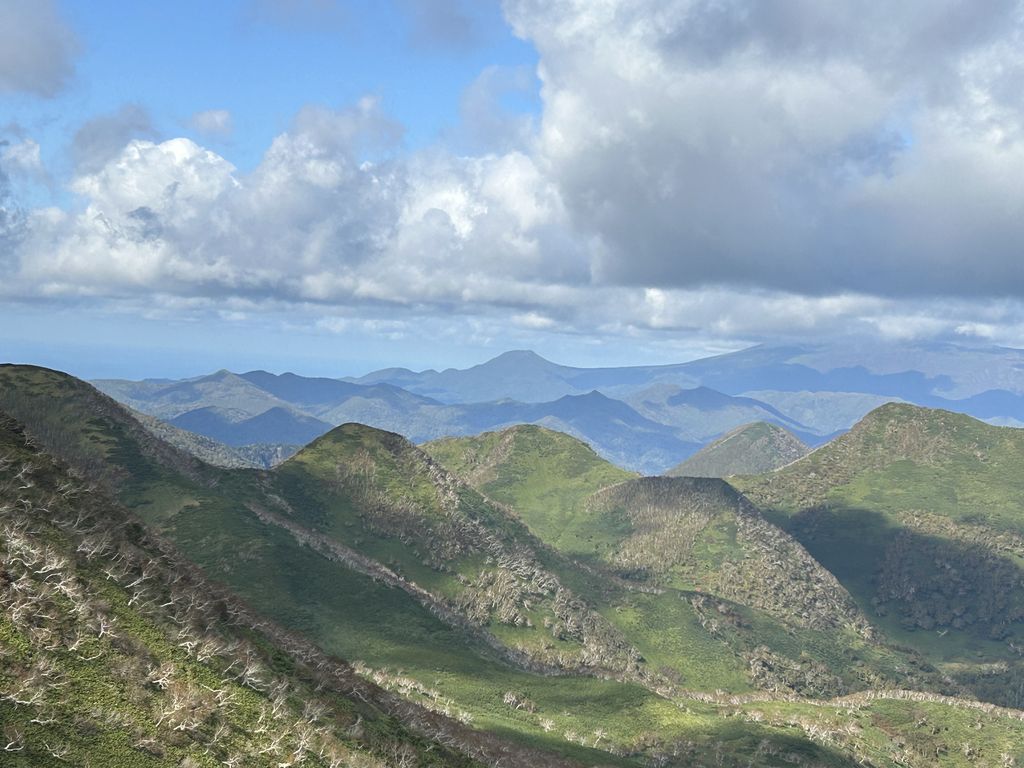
957, 601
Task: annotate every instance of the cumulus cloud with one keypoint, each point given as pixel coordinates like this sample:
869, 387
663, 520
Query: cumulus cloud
213, 122
796, 145
330, 215
37, 47
12, 217
728, 169
10, 222
178, 218
100, 140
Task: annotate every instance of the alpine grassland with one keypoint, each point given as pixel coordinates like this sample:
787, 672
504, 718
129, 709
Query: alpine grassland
116, 652
515, 598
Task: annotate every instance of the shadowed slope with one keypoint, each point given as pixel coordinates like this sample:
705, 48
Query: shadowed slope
919, 512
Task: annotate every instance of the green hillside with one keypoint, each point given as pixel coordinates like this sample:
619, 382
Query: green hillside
919, 513
708, 591
364, 546
388, 500
235, 524
540, 472
115, 652
747, 450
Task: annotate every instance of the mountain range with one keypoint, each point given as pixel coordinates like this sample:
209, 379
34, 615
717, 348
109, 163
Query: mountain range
510, 597
645, 418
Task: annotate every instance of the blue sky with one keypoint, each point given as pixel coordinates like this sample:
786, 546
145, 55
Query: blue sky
263, 62
330, 186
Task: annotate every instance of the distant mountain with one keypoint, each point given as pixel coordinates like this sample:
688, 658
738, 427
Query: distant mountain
702, 414
276, 425
647, 418
224, 390
747, 450
518, 375
822, 413
615, 430
931, 374
285, 410
255, 456
303, 390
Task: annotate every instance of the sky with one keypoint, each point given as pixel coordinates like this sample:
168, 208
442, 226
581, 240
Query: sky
334, 186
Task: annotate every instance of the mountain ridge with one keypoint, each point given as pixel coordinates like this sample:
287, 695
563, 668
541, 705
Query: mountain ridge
814, 391
129, 659
917, 511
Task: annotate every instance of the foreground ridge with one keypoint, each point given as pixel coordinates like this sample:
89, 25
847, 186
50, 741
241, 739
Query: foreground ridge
91, 599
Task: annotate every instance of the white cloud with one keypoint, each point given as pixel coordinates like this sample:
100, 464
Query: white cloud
787, 144
725, 170
22, 158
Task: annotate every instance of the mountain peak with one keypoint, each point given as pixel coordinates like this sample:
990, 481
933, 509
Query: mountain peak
898, 410
593, 396
749, 449
518, 357
899, 415
349, 439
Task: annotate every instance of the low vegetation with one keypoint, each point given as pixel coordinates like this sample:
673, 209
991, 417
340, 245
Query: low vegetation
465, 624
114, 651
918, 513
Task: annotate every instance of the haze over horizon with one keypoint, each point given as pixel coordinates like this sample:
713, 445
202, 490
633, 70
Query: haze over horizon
335, 186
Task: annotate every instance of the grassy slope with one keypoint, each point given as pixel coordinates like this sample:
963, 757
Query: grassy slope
919, 513
114, 653
709, 592
750, 449
546, 477
379, 492
208, 514
205, 512
536, 469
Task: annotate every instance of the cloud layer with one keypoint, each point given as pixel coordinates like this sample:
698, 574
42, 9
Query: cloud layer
731, 168
797, 145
